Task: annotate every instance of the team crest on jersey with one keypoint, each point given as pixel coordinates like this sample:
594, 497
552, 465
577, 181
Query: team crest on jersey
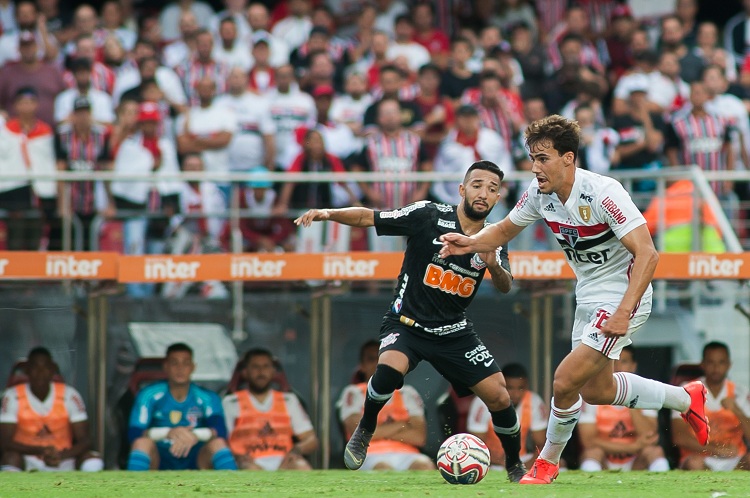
585, 212
175, 416
569, 234
477, 263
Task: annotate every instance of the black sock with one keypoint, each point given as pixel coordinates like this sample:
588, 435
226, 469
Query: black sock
379, 390
508, 430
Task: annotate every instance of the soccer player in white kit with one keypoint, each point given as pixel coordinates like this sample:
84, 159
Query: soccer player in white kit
609, 248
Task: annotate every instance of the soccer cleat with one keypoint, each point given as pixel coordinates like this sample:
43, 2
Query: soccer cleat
516, 472
696, 414
542, 472
356, 449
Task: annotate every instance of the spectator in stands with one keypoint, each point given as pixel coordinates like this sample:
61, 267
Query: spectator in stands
620, 438
391, 83
7, 16
695, 125
28, 145
390, 150
735, 38
101, 102
28, 20
597, 151
577, 26
686, 11
176, 424
147, 66
427, 34
262, 76
201, 65
265, 423
255, 142
673, 40
588, 95
643, 73
728, 413
730, 107
708, 48
170, 17
58, 21
237, 10
207, 129
512, 13
82, 145
466, 143
102, 77
437, 110
290, 109
113, 25
85, 22
532, 59
43, 423
260, 23
388, 12
531, 411
231, 49
350, 107
320, 71
402, 428
618, 42
458, 77
178, 51
641, 135
492, 105
338, 137
30, 71
295, 28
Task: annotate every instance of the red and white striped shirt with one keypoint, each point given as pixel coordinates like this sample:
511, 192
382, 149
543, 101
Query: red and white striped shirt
392, 155
192, 71
82, 154
102, 78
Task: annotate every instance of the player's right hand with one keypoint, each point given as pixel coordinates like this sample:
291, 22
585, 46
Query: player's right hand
454, 244
312, 215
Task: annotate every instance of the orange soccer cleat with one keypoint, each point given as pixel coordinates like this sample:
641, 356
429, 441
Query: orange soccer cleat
696, 414
542, 472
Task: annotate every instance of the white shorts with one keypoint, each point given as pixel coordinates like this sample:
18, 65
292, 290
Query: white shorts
269, 462
625, 466
589, 315
37, 464
722, 464
398, 461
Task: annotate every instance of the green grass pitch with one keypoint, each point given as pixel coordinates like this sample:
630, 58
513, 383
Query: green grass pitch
324, 484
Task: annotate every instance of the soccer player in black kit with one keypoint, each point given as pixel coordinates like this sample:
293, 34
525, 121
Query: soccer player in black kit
427, 318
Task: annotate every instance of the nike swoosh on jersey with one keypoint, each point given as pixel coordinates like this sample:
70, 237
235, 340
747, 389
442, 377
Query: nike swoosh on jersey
436, 241
488, 363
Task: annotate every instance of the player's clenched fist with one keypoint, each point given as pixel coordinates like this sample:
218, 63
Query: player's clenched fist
312, 215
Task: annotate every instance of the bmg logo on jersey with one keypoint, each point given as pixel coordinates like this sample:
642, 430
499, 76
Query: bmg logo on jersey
480, 354
447, 281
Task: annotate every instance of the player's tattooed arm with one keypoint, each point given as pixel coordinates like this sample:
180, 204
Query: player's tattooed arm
352, 216
501, 278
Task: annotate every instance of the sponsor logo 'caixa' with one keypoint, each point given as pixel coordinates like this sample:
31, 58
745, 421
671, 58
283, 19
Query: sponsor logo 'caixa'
534, 266
348, 267
714, 266
254, 267
161, 269
71, 266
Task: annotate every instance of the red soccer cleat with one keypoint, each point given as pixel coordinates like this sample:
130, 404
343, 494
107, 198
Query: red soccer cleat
696, 414
542, 472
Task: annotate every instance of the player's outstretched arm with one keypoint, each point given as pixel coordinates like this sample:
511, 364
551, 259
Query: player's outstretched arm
352, 216
488, 239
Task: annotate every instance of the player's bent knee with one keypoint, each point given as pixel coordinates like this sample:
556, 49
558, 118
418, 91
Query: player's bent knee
593, 454
422, 464
693, 463
563, 386
382, 466
216, 444
651, 453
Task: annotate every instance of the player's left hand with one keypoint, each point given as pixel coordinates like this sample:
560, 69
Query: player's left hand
182, 442
312, 215
616, 325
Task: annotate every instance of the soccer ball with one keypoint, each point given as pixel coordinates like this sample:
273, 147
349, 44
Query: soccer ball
463, 459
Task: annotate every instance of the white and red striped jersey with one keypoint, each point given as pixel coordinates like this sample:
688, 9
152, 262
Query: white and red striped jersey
589, 226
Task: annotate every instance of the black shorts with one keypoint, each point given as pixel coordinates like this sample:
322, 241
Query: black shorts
17, 199
460, 357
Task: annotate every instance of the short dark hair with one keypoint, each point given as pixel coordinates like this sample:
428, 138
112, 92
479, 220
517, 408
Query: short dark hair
486, 166
179, 347
515, 371
571, 37
253, 352
403, 18
39, 351
564, 134
372, 343
391, 68
710, 67
489, 75
227, 18
461, 39
429, 67
715, 345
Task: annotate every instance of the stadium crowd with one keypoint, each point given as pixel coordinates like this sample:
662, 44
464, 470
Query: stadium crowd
337, 85
262, 424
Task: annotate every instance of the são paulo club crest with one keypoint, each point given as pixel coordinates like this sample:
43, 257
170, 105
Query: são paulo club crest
569, 234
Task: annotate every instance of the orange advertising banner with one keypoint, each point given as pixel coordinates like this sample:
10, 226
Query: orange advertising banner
343, 266
58, 265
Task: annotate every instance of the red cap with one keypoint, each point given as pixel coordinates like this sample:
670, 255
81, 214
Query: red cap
323, 90
621, 11
149, 111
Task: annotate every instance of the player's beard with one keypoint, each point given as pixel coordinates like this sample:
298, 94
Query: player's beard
255, 389
473, 213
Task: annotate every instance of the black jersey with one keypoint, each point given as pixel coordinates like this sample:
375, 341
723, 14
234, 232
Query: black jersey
432, 292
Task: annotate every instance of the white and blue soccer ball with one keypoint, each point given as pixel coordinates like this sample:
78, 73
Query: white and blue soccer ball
463, 459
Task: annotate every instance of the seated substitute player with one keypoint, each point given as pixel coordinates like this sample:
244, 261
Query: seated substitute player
178, 425
619, 437
728, 411
531, 411
43, 424
269, 429
427, 317
402, 428
609, 248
